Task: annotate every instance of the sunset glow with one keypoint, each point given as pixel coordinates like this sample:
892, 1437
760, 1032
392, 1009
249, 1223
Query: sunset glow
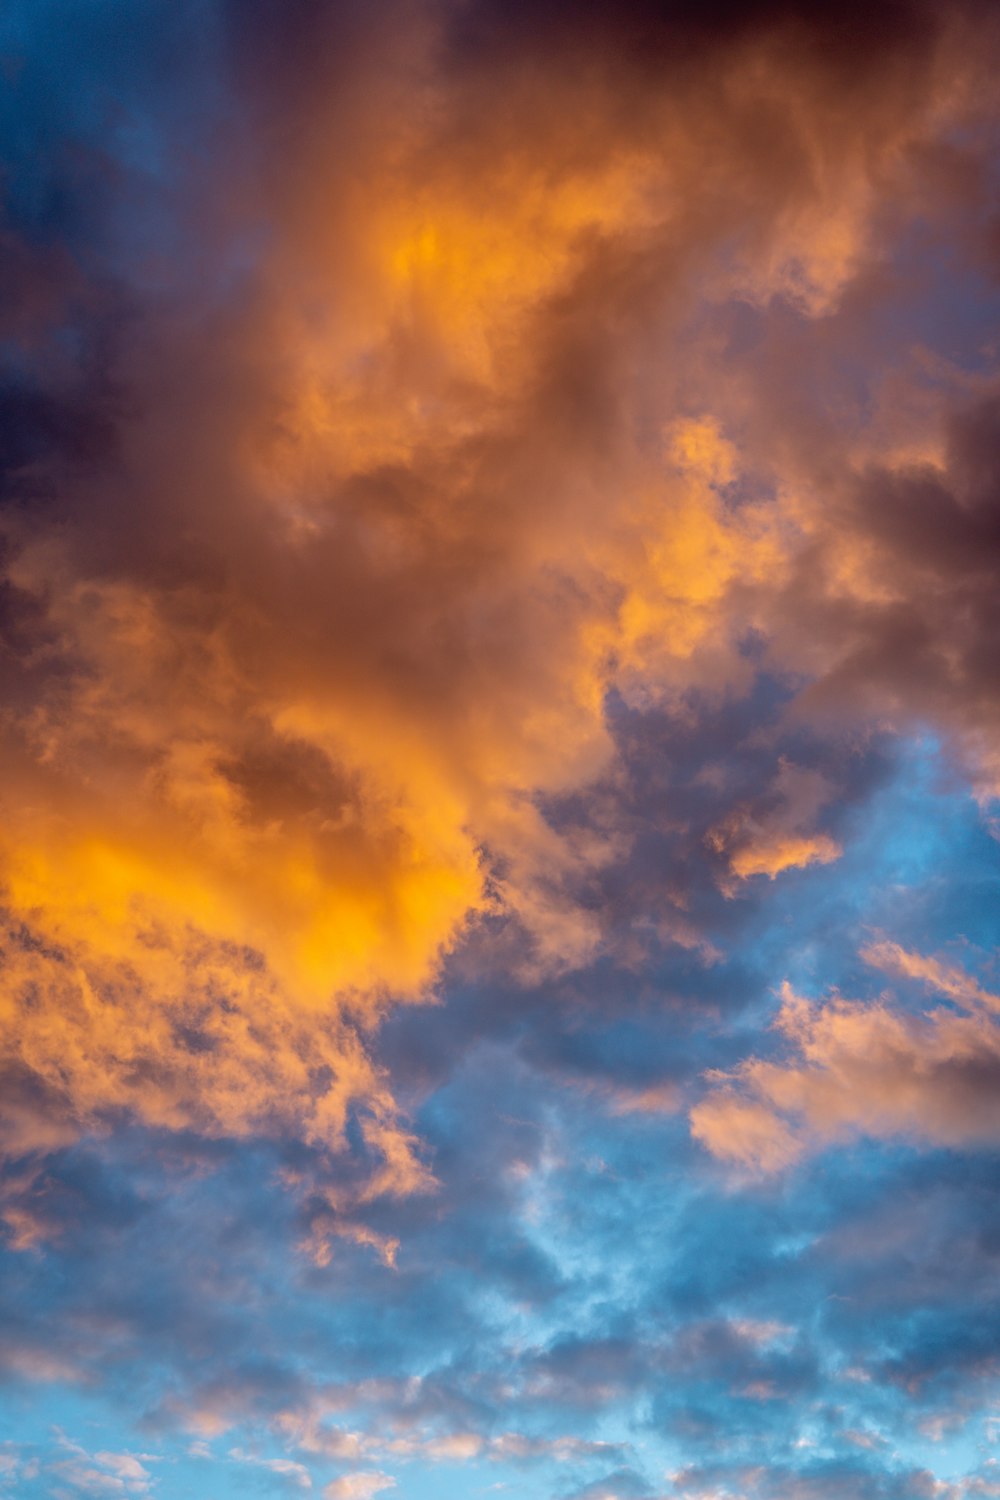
500, 744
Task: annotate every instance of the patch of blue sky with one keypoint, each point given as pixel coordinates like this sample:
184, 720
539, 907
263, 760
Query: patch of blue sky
919, 865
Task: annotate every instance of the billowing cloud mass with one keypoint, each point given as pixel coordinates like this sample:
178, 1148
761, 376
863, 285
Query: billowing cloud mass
499, 717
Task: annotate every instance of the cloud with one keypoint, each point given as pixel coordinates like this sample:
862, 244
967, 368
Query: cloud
889, 607
777, 836
943, 978
822, 1482
861, 1068
486, 493
285, 1468
354, 506
360, 1485
102, 1473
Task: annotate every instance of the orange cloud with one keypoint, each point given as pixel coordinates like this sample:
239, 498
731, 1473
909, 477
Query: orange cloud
776, 836
860, 1069
945, 979
773, 853
289, 681
360, 1485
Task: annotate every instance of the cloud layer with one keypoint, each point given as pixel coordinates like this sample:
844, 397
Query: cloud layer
498, 549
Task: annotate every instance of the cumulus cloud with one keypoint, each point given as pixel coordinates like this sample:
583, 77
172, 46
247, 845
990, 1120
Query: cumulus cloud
780, 834
892, 597
360, 1485
101, 1473
324, 555
862, 1068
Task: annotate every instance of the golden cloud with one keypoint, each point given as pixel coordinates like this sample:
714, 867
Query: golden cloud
291, 677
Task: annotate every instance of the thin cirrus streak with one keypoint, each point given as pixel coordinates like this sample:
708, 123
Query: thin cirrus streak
498, 530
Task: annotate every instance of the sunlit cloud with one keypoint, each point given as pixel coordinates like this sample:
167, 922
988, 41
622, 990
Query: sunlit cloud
500, 743
860, 1068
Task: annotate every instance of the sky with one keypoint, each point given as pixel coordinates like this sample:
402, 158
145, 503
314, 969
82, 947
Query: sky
499, 750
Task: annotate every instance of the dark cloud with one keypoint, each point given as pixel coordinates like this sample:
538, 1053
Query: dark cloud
929, 540
647, 34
